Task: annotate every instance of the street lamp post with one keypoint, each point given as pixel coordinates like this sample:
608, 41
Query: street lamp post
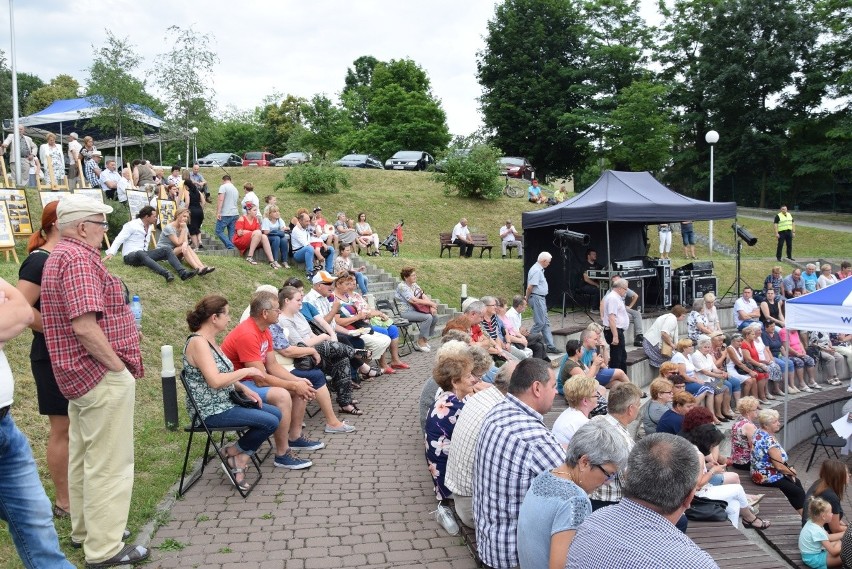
194, 144
712, 137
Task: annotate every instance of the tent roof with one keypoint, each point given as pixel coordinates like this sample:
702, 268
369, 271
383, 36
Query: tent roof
628, 196
826, 310
85, 107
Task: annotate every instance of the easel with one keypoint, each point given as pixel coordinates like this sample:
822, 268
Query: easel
7, 178
8, 245
51, 176
81, 174
14, 253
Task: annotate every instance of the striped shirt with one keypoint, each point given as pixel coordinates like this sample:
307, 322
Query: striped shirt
612, 492
459, 478
513, 448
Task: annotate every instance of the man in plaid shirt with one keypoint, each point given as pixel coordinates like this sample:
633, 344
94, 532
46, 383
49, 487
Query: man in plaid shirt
94, 349
513, 448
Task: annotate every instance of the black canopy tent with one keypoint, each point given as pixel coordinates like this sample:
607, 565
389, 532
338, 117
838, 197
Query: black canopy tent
614, 212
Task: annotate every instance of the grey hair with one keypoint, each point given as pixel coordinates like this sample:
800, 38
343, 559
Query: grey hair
518, 300
621, 397
451, 347
599, 442
261, 301
482, 361
488, 299
456, 335
586, 333
475, 306
620, 283
595, 327
662, 470
544, 256
810, 266
767, 416
704, 341
501, 380
698, 303
756, 327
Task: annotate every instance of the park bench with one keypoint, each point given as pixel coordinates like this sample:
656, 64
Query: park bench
479, 240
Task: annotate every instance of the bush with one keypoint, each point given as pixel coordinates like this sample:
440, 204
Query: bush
315, 178
473, 176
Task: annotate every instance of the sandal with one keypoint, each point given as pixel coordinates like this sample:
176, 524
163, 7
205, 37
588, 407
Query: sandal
351, 409
833, 381
241, 484
401, 365
60, 512
274, 265
286, 266
753, 524
251, 261
373, 373
356, 385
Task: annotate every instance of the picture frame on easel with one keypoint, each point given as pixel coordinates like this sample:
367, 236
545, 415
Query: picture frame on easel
166, 211
50, 196
7, 236
18, 209
136, 200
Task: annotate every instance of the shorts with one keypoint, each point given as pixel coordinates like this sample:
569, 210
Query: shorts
604, 376
262, 391
816, 560
50, 399
316, 376
717, 480
688, 237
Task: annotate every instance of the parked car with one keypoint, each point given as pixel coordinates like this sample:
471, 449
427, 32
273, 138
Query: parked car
440, 165
516, 167
359, 161
292, 159
220, 159
409, 160
258, 158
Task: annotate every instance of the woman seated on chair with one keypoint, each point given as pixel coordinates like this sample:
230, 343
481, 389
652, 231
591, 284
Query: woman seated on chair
366, 235
343, 262
210, 378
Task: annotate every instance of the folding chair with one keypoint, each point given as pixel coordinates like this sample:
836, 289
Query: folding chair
824, 440
402, 323
199, 426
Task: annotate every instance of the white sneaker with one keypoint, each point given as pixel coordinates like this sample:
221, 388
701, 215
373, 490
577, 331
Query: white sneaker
444, 516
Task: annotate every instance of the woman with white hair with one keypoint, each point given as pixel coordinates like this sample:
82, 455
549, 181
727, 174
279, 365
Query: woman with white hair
826, 278
557, 501
696, 322
769, 460
710, 314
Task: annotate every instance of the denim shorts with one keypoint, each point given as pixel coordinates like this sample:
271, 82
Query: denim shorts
816, 560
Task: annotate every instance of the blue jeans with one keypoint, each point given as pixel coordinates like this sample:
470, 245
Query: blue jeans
228, 222
734, 384
542, 323
391, 331
746, 323
361, 279
261, 423
279, 241
23, 503
305, 255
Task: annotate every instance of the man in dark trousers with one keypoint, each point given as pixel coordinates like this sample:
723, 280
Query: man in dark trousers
785, 230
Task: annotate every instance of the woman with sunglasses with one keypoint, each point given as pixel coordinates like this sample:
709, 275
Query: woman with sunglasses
557, 501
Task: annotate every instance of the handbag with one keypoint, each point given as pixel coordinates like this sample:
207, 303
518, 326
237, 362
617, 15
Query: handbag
666, 350
422, 307
237, 398
303, 363
707, 510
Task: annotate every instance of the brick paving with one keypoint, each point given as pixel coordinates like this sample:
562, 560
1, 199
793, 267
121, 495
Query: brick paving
366, 502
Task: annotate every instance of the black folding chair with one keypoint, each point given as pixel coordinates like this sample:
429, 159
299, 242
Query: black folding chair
403, 324
199, 426
824, 440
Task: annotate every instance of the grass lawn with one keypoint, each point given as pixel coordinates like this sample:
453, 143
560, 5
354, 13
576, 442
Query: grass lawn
387, 197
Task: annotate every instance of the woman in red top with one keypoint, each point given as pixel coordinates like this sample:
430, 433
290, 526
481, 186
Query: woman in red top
751, 358
249, 235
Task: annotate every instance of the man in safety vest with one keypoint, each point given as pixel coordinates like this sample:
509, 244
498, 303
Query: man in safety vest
785, 230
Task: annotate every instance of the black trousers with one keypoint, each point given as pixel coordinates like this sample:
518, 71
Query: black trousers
465, 249
618, 352
785, 237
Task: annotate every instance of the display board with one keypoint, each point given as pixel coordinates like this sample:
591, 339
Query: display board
166, 211
18, 210
96, 194
136, 200
47, 197
7, 236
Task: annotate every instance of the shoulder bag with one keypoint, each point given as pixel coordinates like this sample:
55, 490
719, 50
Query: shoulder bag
707, 510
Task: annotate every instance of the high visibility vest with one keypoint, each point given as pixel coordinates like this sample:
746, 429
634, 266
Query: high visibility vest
785, 221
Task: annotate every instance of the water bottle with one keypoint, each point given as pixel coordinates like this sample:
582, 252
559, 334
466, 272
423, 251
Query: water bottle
136, 309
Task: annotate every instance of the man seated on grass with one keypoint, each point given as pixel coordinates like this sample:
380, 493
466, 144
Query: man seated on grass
534, 194
250, 344
133, 241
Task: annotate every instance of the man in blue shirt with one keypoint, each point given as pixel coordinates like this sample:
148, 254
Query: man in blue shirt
535, 296
534, 194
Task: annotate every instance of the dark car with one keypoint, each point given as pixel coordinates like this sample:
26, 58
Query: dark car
409, 160
291, 159
258, 158
220, 159
440, 165
359, 161
516, 167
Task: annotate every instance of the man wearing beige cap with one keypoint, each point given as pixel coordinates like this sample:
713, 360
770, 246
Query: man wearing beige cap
94, 346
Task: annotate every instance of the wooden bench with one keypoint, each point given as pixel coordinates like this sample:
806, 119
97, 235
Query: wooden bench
479, 240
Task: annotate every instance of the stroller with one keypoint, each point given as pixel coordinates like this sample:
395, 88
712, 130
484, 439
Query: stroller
392, 241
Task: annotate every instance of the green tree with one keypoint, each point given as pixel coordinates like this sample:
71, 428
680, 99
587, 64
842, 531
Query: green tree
532, 72
60, 87
27, 85
356, 92
238, 132
280, 120
475, 175
642, 130
185, 77
327, 127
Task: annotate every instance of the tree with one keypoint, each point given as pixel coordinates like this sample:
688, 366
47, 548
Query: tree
356, 93
532, 71
327, 127
27, 84
474, 175
280, 120
642, 131
185, 76
60, 87
238, 132
112, 84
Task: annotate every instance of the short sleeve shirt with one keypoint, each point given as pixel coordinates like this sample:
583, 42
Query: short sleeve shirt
535, 277
247, 343
164, 240
229, 204
567, 424
811, 538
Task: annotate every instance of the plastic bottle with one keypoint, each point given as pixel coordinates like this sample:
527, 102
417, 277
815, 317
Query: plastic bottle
136, 309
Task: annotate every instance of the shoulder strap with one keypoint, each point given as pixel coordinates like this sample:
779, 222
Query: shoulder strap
212, 347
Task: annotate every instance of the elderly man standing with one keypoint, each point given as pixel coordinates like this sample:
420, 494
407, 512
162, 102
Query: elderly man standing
785, 230
94, 348
26, 150
509, 237
514, 447
536, 297
639, 531
199, 180
74, 148
461, 237
616, 320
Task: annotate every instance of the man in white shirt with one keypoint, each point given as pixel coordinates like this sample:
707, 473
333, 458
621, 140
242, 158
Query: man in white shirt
26, 150
74, 148
461, 237
133, 241
616, 320
746, 311
110, 182
226, 212
536, 297
510, 236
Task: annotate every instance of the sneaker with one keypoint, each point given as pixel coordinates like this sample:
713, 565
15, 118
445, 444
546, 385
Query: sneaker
186, 275
553, 350
306, 444
445, 517
129, 555
291, 462
169, 277
343, 428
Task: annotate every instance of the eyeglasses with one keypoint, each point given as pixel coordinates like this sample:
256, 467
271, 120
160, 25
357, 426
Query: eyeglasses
609, 475
664, 392
275, 310
103, 224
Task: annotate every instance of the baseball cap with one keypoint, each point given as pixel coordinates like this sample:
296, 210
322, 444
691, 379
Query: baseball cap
318, 208
77, 206
323, 277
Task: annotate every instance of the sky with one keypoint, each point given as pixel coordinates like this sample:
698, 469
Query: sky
300, 48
